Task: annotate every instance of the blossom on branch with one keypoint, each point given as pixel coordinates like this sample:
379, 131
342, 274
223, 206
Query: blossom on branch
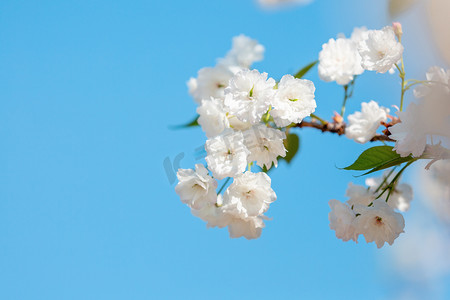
248, 95
381, 50
293, 101
265, 145
363, 125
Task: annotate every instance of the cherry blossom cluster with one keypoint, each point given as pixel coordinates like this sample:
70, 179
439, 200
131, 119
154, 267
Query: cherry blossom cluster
343, 58
247, 116
370, 212
244, 115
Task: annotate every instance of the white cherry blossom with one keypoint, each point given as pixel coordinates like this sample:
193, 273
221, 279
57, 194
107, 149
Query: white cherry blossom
362, 126
381, 50
265, 145
226, 154
248, 95
212, 117
359, 34
378, 223
249, 195
196, 188
341, 220
244, 53
249, 228
410, 134
210, 82
293, 101
213, 214
339, 61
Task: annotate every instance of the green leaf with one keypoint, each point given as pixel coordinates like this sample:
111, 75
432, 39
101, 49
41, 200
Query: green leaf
378, 158
391, 163
397, 7
193, 123
373, 157
305, 70
291, 143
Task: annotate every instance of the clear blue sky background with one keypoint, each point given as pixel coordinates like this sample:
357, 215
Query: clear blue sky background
88, 90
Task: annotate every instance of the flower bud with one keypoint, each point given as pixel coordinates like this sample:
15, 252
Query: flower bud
397, 29
337, 118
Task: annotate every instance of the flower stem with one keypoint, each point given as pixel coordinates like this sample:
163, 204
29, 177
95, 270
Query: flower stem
396, 178
385, 179
347, 94
401, 71
415, 82
403, 90
223, 186
318, 118
393, 183
345, 100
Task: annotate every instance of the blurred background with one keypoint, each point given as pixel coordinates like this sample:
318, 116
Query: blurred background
88, 91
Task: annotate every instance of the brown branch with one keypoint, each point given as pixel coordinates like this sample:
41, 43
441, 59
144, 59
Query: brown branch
339, 128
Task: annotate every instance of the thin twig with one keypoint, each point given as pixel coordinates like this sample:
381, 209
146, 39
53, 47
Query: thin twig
338, 128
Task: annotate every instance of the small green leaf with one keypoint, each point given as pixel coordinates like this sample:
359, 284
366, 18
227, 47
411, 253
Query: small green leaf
193, 123
291, 143
378, 158
373, 157
391, 163
305, 70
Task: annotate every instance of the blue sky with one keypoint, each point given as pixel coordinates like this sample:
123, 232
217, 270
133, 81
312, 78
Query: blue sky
88, 90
